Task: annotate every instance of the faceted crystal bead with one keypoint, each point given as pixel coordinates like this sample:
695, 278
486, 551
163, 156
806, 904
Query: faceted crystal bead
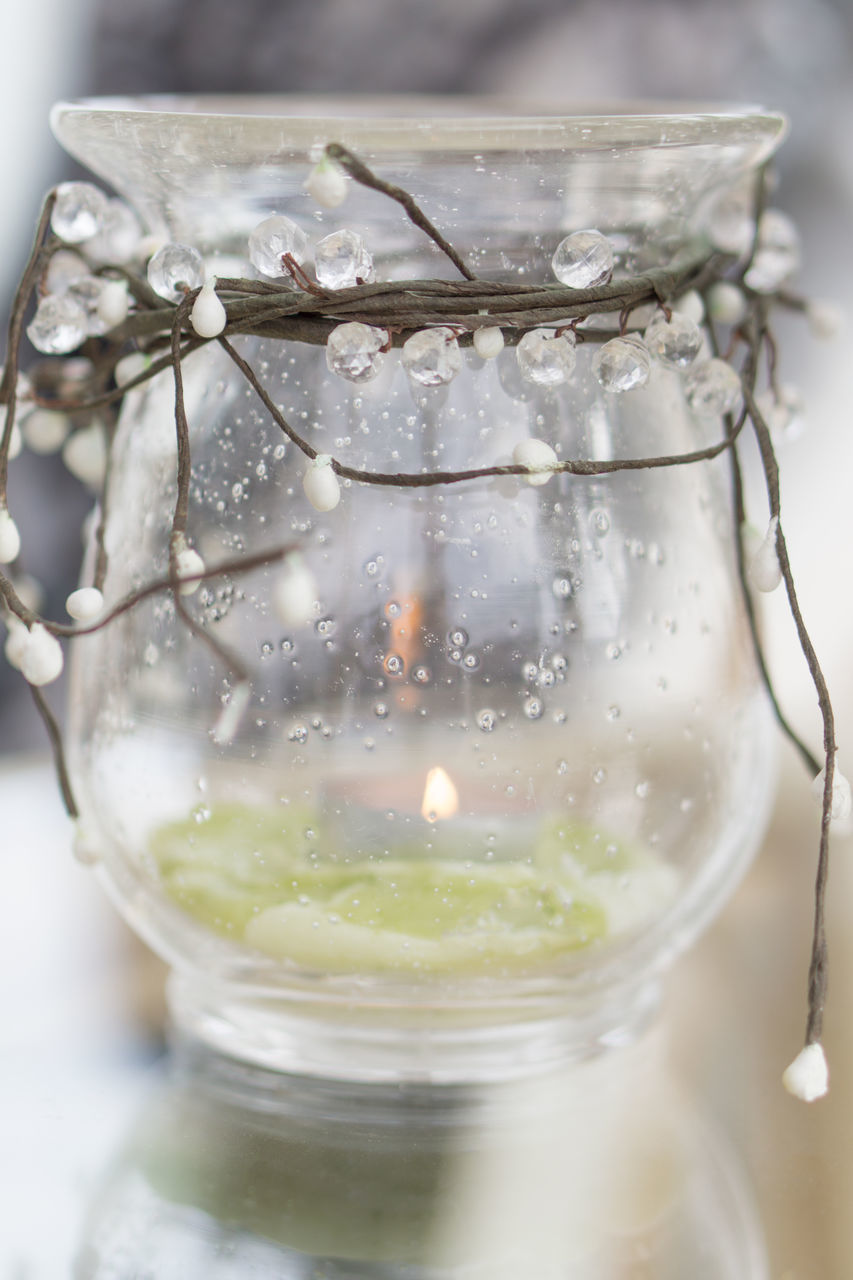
119, 239
271, 239
79, 211
58, 326
432, 357
354, 351
675, 342
546, 360
777, 255
731, 226
65, 266
341, 261
87, 290
583, 260
172, 266
713, 388
622, 364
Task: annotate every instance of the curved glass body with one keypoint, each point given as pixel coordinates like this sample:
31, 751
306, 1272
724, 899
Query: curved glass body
518, 755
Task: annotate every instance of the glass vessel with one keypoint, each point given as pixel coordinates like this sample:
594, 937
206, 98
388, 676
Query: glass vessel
518, 755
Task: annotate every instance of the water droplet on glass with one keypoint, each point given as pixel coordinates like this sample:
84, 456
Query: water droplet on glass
562, 588
487, 720
381, 710
641, 790
371, 568
600, 521
458, 637
298, 733
613, 651
422, 675
599, 776
394, 664
613, 712
325, 627
533, 708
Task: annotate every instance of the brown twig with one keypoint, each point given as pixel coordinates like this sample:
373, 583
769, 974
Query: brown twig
360, 173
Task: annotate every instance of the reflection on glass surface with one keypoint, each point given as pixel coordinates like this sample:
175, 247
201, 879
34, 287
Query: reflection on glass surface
598, 1172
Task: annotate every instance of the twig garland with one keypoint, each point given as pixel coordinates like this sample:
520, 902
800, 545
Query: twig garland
301, 310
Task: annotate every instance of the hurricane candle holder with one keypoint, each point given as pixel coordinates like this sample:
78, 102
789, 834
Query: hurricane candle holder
416, 716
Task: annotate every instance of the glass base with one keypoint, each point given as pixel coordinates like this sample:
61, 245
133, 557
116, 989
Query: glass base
381, 1042
598, 1171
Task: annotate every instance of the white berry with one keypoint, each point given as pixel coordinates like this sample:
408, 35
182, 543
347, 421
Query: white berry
17, 639
538, 457
825, 317
488, 342
208, 314
321, 484
294, 592
130, 367
726, 303
764, 570
10, 538
690, 304
327, 184
188, 564
85, 455
43, 660
85, 604
842, 800
113, 304
46, 430
807, 1078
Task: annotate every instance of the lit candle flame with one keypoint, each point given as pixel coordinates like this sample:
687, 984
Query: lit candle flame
441, 799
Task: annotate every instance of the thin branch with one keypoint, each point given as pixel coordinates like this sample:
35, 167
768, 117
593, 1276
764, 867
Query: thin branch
367, 178
58, 749
8, 385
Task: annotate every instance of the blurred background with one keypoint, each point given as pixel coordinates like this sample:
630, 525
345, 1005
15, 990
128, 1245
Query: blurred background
737, 1003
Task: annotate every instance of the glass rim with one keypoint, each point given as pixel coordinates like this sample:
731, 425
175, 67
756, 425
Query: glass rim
437, 122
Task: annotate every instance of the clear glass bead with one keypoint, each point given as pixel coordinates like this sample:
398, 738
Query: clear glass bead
58, 326
432, 357
713, 388
675, 342
777, 255
86, 290
119, 239
622, 364
175, 265
79, 211
65, 266
583, 260
544, 359
342, 261
353, 351
273, 238
731, 226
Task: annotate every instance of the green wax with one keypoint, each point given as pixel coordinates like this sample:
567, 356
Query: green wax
268, 879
